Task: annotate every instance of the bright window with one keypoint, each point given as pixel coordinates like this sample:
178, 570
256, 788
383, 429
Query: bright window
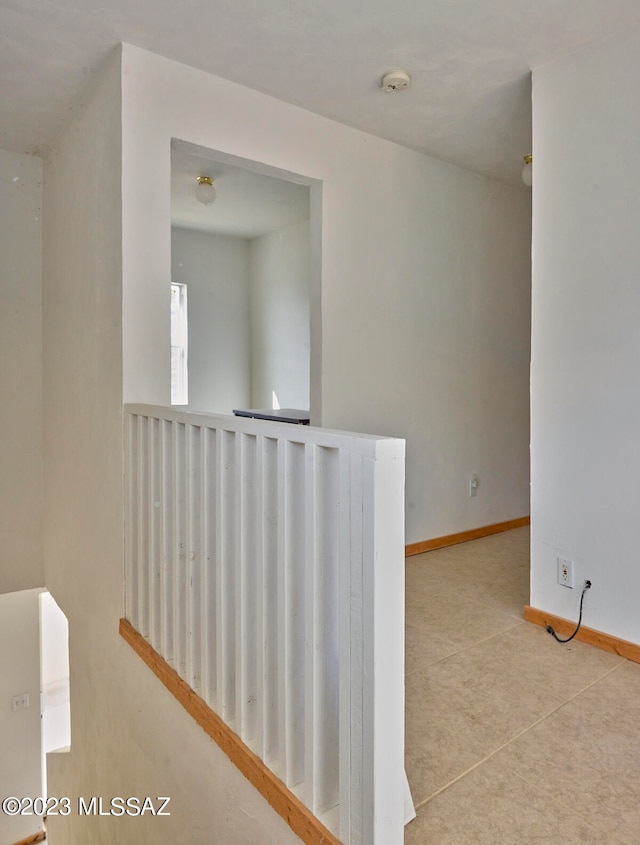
179, 348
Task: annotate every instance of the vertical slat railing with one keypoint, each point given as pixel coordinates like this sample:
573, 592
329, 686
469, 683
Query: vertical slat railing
285, 643
225, 582
131, 563
193, 551
207, 574
143, 527
166, 543
268, 630
178, 551
313, 644
267, 608
186, 554
152, 468
265, 563
295, 579
351, 651
328, 616
261, 609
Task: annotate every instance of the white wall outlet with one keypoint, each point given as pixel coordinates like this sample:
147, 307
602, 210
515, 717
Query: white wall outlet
474, 483
20, 702
565, 572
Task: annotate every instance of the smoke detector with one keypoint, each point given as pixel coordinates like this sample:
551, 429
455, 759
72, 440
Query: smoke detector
395, 80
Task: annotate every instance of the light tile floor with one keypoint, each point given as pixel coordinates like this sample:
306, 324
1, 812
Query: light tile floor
511, 737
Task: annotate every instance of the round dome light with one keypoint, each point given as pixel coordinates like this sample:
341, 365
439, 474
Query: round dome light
205, 192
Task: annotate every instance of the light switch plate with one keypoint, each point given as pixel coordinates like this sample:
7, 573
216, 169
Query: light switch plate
20, 702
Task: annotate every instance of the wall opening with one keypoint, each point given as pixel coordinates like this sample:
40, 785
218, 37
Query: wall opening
251, 263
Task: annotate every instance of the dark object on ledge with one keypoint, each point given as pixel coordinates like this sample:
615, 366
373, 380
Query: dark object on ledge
287, 415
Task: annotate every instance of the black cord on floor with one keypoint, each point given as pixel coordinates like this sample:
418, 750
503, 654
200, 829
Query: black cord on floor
587, 586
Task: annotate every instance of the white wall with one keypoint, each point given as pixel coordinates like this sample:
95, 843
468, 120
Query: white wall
21, 372
54, 676
215, 269
586, 340
83, 516
129, 737
20, 758
425, 295
427, 338
280, 282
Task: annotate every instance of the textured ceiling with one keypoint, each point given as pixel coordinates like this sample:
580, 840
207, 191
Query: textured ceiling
470, 61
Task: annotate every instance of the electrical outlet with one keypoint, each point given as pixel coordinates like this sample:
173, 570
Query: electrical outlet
565, 572
473, 485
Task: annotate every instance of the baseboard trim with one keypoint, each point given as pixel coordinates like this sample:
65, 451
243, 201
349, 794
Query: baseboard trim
464, 536
35, 837
309, 828
565, 627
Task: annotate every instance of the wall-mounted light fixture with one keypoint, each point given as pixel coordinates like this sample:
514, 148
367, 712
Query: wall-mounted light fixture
205, 192
527, 171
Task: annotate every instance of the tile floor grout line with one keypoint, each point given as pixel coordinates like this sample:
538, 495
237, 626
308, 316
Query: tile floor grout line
464, 647
482, 604
584, 818
496, 609
514, 738
491, 607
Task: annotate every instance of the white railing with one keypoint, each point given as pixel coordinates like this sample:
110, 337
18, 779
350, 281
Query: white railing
265, 563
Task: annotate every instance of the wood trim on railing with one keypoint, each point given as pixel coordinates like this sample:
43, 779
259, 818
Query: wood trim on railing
35, 837
301, 820
631, 651
464, 536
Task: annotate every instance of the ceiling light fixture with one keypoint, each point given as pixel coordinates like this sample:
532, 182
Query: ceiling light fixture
395, 80
527, 171
205, 192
